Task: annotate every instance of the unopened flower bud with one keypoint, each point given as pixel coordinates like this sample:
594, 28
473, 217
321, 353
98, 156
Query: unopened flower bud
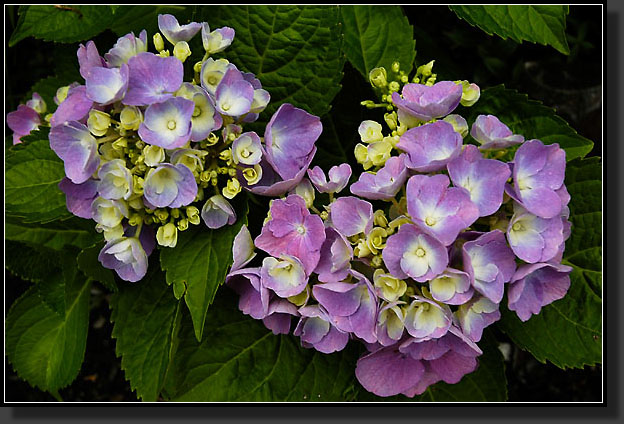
167, 235
164, 53
153, 155
370, 131
379, 218
378, 77
130, 118
182, 50
396, 67
425, 70
159, 43
192, 213
391, 120
470, 93
183, 224
232, 188
305, 190
161, 214
394, 87
253, 175
98, 122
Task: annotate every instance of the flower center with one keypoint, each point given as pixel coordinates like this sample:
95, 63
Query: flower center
430, 221
196, 112
225, 106
420, 252
212, 80
171, 124
517, 227
301, 229
245, 153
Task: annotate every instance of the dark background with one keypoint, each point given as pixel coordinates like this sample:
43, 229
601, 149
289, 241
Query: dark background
571, 84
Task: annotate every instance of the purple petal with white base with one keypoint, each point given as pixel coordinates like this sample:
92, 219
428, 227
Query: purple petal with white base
410, 252
338, 178
79, 197
89, 58
116, 180
289, 140
152, 79
390, 324
174, 32
170, 186
317, 331
430, 147
234, 94
535, 286
426, 319
285, 276
451, 287
75, 107
491, 133
538, 173
75, 145
483, 178
427, 102
293, 231
534, 239
336, 255
247, 149
490, 263
168, 124
351, 216
126, 256
125, 48
217, 212
476, 315
384, 184
271, 183
437, 209
217, 40
106, 86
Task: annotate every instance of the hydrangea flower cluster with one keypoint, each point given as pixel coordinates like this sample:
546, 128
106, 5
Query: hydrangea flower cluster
147, 154
414, 262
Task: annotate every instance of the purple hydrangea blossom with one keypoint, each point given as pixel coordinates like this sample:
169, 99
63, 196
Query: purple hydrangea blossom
170, 186
285, 276
75, 107
242, 249
126, 256
109, 213
490, 263
125, 48
451, 287
217, 40
438, 209
89, 58
22, 121
352, 307
477, 314
338, 178
79, 197
537, 285
234, 94
271, 183
411, 252
336, 255
254, 298
168, 124
534, 239
538, 174
483, 178
106, 86
75, 145
247, 149
212, 72
390, 324
427, 102
430, 147
174, 32
218, 212
427, 319
205, 118
317, 331
116, 180
279, 316
289, 140
152, 79
385, 183
351, 216
292, 230
491, 133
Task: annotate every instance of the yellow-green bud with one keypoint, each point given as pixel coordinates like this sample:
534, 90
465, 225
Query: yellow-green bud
361, 250
361, 155
232, 188
370, 131
183, 224
391, 120
192, 214
161, 214
379, 152
305, 190
164, 53
61, 94
197, 67
379, 218
204, 176
153, 155
212, 139
394, 87
182, 50
425, 70
301, 298
253, 175
391, 288
375, 240
167, 235
130, 118
324, 215
232, 172
135, 220
120, 144
470, 93
378, 77
159, 43
175, 213
396, 67
404, 79
98, 122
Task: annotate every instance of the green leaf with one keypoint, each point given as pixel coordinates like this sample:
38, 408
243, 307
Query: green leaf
294, 50
28, 262
32, 174
46, 345
46, 88
55, 235
529, 118
543, 24
139, 17
64, 24
200, 262
240, 360
147, 319
376, 36
568, 331
90, 266
486, 384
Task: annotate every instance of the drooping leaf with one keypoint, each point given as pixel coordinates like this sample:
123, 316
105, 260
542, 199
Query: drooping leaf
32, 174
147, 319
90, 266
240, 360
45, 342
199, 262
377, 36
64, 24
54, 235
568, 331
543, 24
529, 118
295, 51
486, 384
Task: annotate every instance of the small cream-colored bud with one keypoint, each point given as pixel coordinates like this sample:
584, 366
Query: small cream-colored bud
379, 218
232, 188
153, 155
131, 118
183, 224
391, 120
167, 235
396, 67
253, 175
394, 87
182, 50
98, 122
192, 213
378, 77
159, 43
